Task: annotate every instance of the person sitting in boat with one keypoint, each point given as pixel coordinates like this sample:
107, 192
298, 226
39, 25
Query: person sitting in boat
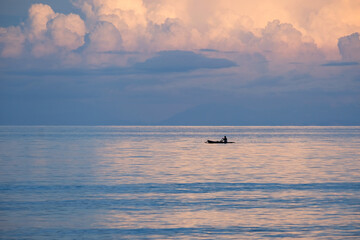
224, 139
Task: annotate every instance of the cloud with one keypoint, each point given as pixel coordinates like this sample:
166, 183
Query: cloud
283, 40
339, 64
162, 62
129, 56
12, 40
277, 41
305, 30
326, 20
67, 31
128, 17
46, 33
349, 47
181, 61
39, 16
105, 38
123, 14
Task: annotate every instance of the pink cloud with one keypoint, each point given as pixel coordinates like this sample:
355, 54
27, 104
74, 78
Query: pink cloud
13, 40
151, 26
349, 47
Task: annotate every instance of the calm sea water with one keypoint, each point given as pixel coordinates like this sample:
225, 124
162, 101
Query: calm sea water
166, 183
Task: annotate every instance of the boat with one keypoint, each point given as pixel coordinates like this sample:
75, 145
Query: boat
220, 142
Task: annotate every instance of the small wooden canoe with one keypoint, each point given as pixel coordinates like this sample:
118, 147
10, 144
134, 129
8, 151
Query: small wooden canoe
220, 142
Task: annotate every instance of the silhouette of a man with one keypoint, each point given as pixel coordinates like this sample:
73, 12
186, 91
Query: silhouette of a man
224, 139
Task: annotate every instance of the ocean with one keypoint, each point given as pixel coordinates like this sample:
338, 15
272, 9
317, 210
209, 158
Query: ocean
148, 182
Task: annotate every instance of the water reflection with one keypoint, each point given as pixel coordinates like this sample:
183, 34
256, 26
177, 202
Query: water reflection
165, 182
277, 158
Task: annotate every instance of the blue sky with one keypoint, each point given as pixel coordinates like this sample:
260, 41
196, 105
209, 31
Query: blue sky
186, 62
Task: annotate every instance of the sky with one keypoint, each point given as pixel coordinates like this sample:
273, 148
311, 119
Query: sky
186, 62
